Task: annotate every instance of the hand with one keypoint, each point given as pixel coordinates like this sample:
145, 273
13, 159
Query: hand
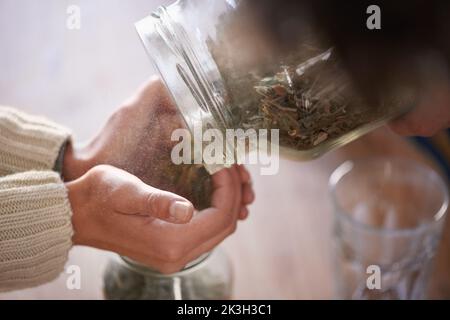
431, 115
136, 138
114, 210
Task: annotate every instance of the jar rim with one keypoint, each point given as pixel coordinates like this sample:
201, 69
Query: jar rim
198, 80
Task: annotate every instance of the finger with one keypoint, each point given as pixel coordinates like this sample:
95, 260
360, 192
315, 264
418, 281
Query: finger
236, 179
223, 190
206, 230
160, 263
134, 246
417, 124
131, 196
204, 226
243, 214
138, 255
151, 202
209, 226
248, 196
244, 174
168, 267
204, 247
166, 206
208, 223
222, 220
400, 128
431, 114
410, 124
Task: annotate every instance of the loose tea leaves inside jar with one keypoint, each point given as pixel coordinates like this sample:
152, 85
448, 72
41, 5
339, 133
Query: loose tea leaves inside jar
307, 110
305, 94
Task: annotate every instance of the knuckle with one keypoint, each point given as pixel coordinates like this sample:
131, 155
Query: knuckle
157, 83
153, 201
123, 112
228, 225
161, 99
99, 172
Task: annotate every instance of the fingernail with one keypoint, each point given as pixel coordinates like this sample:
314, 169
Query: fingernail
180, 210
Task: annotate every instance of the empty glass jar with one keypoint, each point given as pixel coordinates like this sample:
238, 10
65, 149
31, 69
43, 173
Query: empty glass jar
224, 71
389, 217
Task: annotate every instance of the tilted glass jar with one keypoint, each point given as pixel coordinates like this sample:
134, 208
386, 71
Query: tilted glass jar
207, 278
225, 73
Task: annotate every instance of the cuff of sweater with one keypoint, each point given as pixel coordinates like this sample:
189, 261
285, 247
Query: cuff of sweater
28, 142
35, 229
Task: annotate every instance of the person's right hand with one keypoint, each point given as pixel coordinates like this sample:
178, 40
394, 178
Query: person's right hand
431, 115
114, 210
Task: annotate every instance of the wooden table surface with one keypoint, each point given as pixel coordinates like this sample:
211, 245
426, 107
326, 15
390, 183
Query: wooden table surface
78, 77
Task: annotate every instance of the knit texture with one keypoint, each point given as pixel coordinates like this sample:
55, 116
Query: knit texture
35, 214
28, 142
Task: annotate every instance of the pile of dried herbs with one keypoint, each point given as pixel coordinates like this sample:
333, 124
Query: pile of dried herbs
190, 181
308, 105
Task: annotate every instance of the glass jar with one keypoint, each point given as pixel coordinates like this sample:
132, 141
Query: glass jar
225, 72
207, 278
389, 214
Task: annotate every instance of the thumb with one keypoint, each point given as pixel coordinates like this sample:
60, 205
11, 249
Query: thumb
166, 206
136, 197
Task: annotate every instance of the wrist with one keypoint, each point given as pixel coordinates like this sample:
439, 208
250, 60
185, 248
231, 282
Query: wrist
79, 192
77, 161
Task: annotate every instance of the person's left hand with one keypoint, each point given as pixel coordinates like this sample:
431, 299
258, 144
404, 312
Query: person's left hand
114, 210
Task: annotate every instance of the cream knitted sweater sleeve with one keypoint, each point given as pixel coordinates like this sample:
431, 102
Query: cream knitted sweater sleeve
35, 214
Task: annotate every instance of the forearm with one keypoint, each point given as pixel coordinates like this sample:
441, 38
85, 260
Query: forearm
28, 142
35, 214
35, 229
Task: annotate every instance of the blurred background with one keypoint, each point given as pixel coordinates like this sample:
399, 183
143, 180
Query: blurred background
78, 77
